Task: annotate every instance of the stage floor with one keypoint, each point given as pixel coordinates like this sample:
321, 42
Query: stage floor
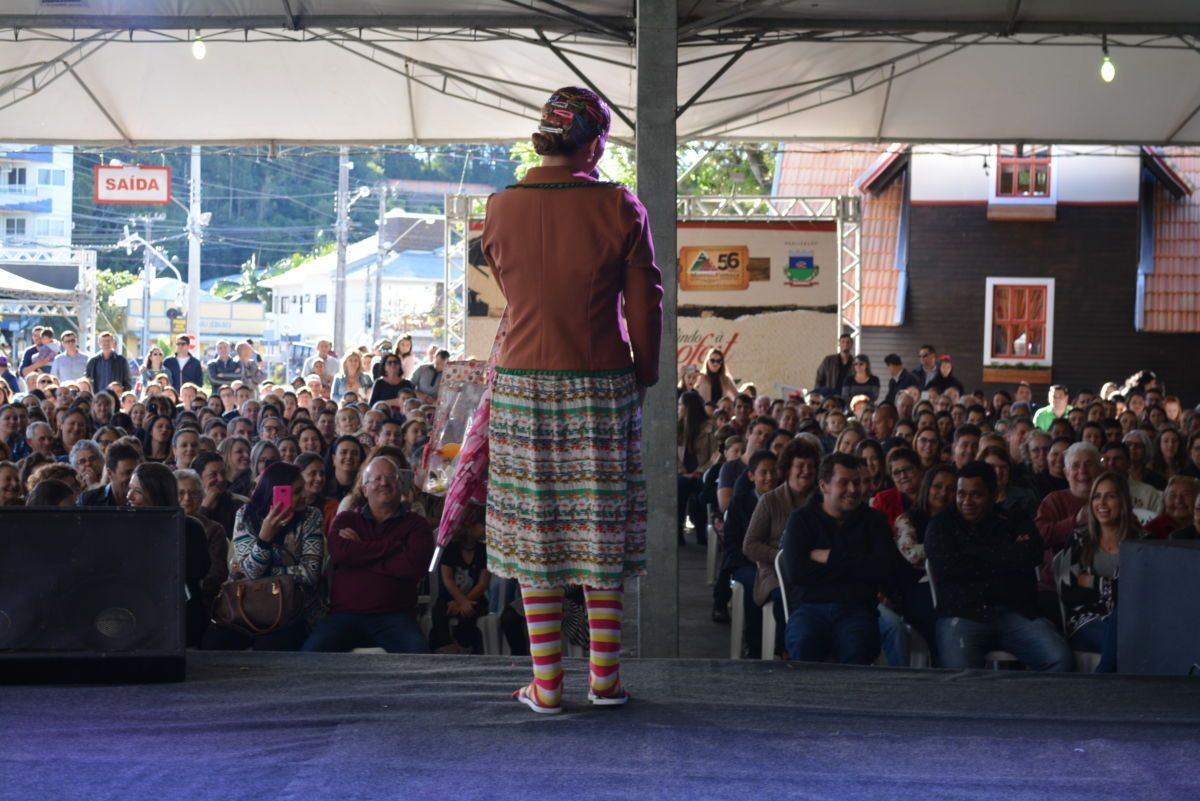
363, 726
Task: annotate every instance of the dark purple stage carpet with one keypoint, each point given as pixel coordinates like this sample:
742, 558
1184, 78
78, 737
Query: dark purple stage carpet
354, 726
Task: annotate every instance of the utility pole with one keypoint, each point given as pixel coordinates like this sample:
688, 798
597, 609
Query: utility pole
193, 231
377, 308
147, 277
343, 226
148, 272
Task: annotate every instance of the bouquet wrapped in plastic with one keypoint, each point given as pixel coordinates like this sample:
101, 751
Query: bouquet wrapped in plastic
460, 391
455, 461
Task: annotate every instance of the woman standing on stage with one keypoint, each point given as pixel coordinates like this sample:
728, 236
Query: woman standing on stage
566, 494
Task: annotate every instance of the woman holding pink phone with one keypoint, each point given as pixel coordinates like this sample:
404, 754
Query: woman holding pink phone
275, 534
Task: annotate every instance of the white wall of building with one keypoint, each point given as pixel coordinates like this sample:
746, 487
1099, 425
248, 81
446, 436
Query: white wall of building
32, 178
1100, 175
295, 305
949, 174
1082, 174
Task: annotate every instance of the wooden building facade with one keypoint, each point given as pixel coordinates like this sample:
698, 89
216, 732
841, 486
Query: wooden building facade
954, 233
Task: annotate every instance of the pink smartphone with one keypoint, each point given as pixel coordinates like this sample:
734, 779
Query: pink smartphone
282, 496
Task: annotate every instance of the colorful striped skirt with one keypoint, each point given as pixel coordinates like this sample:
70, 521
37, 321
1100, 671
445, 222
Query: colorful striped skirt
566, 494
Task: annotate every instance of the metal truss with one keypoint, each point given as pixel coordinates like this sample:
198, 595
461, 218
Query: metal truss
461, 212
742, 19
757, 207
850, 269
36, 77
382, 27
79, 304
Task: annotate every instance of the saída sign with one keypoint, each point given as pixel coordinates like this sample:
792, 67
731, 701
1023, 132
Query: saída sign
131, 184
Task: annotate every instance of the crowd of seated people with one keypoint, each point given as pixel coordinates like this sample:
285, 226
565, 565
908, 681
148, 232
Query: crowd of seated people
976, 495
984, 524
356, 537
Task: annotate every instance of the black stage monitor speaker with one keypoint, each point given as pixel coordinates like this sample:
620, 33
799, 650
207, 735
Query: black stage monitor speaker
91, 595
1159, 604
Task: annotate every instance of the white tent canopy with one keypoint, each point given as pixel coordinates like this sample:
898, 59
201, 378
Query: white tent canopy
368, 71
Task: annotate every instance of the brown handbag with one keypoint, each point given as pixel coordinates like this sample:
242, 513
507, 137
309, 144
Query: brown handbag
260, 606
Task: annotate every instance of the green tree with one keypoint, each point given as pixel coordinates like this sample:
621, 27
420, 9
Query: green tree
704, 168
618, 164
726, 168
109, 315
272, 202
248, 286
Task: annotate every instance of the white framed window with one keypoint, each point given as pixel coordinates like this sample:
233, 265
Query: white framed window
14, 226
52, 177
54, 228
285, 303
1018, 325
15, 176
1024, 175
322, 304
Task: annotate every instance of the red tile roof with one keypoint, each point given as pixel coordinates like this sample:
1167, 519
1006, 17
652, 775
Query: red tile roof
1172, 300
822, 170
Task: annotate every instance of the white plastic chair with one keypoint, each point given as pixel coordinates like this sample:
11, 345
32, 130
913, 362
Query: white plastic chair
489, 628
737, 619
993, 658
710, 561
782, 586
425, 602
768, 630
919, 655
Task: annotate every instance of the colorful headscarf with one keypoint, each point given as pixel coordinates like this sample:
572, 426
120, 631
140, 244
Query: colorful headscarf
577, 114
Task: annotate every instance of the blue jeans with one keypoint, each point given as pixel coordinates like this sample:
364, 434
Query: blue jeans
395, 633
849, 631
893, 636
1099, 636
963, 643
920, 614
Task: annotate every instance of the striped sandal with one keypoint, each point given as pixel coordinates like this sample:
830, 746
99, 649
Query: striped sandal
526, 695
619, 698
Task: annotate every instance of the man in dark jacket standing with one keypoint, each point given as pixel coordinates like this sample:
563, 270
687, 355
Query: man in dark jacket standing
223, 370
108, 367
183, 366
927, 370
838, 554
900, 378
983, 563
835, 367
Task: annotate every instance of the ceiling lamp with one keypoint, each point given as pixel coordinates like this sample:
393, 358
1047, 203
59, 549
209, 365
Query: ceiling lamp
1108, 70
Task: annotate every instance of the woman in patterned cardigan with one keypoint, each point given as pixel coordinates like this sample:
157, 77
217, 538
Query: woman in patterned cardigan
271, 540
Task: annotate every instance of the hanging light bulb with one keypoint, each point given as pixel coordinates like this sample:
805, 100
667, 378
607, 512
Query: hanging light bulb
199, 49
1108, 70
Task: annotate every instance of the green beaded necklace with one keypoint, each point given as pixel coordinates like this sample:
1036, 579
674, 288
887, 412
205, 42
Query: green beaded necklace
568, 185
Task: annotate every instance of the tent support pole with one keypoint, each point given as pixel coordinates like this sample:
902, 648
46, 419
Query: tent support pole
658, 602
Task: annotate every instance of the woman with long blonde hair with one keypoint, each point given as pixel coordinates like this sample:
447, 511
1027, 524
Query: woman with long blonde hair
715, 382
351, 378
1087, 570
